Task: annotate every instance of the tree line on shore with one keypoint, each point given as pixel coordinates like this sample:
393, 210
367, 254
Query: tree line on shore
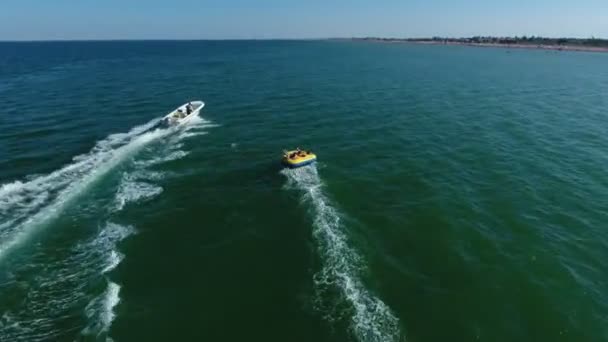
524, 40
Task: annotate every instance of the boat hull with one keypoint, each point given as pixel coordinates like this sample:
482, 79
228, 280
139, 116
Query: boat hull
297, 165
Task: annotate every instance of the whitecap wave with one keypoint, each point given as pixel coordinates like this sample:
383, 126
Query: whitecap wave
370, 318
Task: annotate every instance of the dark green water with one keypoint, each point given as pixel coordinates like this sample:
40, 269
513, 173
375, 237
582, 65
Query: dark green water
460, 193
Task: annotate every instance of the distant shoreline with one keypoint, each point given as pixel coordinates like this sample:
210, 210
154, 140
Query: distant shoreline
551, 44
552, 47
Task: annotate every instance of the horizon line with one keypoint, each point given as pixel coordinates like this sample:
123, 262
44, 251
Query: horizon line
152, 39
273, 39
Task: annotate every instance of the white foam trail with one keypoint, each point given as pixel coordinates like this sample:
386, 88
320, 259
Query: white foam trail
196, 127
175, 155
192, 134
100, 310
198, 122
105, 243
149, 175
177, 146
61, 286
25, 207
131, 191
111, 299
371, 320
114, 259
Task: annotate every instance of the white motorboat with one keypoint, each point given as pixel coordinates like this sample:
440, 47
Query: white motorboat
183, 114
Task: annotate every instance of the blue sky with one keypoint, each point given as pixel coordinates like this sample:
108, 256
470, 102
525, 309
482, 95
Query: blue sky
244, 19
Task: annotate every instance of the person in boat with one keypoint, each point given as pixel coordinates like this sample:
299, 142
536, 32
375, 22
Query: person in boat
189, 108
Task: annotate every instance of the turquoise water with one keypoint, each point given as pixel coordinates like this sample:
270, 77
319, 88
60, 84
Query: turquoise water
459, 193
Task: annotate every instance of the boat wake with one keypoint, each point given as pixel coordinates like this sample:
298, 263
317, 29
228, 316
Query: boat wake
27, 207
370, 319
100, 310
63, 284
61, 289
133, 188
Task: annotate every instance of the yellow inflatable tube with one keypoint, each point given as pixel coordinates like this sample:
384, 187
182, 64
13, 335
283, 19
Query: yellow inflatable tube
298, 158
